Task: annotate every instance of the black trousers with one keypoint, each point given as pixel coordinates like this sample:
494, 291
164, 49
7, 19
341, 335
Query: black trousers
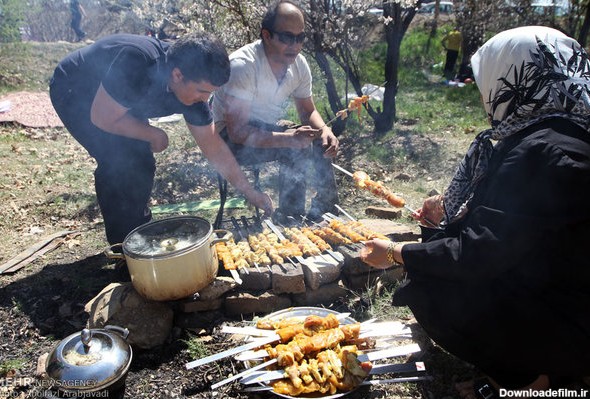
294, 165
75, 25
125, 169
451, 59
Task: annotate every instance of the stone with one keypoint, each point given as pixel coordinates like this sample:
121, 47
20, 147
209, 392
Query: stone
383, 212
219, 287
287, 279
198, 321
41, 371
320, 270
149, 322
245, 303
326, 295
352, 261
256, 279
198, 305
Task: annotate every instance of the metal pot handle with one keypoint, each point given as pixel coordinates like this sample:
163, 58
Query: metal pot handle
227, 235
110, 254
124, 332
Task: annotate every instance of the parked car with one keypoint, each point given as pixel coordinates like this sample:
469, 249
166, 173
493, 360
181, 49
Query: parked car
548, 9
444, 7
375, 11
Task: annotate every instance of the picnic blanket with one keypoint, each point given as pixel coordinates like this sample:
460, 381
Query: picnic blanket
31, 109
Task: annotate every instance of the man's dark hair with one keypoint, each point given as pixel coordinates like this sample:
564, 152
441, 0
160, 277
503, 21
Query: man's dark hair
200, 57
270, 17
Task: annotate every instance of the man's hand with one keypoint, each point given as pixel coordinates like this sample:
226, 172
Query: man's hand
330, 143
303, 136
158, 139
262, 201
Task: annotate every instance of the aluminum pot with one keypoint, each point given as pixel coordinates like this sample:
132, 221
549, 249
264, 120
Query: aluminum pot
90, 363
172, 258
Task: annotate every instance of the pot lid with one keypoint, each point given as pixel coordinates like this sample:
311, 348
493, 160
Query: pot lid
168, 236
90, 359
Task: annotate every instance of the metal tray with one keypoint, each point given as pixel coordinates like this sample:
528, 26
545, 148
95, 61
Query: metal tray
303, 312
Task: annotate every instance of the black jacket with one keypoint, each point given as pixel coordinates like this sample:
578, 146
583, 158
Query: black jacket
507, 287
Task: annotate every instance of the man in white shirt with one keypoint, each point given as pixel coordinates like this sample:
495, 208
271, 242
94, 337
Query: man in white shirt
265, 76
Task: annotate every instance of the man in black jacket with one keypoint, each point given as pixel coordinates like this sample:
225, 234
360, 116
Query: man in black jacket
104, 94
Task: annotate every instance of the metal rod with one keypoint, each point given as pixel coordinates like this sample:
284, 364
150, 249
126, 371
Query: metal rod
344, 212
244, 373
341, 169
430, 222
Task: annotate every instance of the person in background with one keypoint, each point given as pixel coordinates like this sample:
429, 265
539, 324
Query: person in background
77, 12
105, 92
505, 283
248, 113
451, 42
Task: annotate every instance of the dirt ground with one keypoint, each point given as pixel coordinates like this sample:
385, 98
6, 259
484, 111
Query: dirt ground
44, 302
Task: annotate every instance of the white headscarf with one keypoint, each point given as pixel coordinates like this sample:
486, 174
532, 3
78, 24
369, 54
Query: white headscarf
525, 75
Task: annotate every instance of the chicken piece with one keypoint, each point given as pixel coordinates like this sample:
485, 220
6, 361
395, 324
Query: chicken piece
224, 256
332, 236
346, 231
286, 387
362, 180
305, 372
316, 239
277, 324
317, 323
365, 231
321, 340
293, 373
351, 331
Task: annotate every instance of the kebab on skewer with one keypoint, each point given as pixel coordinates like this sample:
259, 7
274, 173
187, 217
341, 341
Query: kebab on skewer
314, 357
331, 236
365, 231
232, 255
316, 239
362, 180
346, 230
308, 247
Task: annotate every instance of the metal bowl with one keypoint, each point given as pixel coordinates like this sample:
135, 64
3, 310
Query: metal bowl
303, 312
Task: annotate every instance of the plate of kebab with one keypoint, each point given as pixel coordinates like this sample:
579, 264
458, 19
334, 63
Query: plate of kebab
323, 353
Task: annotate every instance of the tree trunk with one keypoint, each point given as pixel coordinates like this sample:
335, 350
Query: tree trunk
582, 38
333, 98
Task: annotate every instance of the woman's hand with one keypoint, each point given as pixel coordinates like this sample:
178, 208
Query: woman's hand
374, 253
432, 211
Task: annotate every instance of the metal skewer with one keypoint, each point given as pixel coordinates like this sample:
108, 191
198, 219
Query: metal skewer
242, 238
341, 169
344, 212
406, 206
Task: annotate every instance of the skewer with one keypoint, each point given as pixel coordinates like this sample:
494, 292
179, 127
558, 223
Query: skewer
341, 169
244, 373
344, 212
242, 238
430, 222
406, 206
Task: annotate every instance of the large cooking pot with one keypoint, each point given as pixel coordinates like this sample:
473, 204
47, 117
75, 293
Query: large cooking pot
90, 363
172, 258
